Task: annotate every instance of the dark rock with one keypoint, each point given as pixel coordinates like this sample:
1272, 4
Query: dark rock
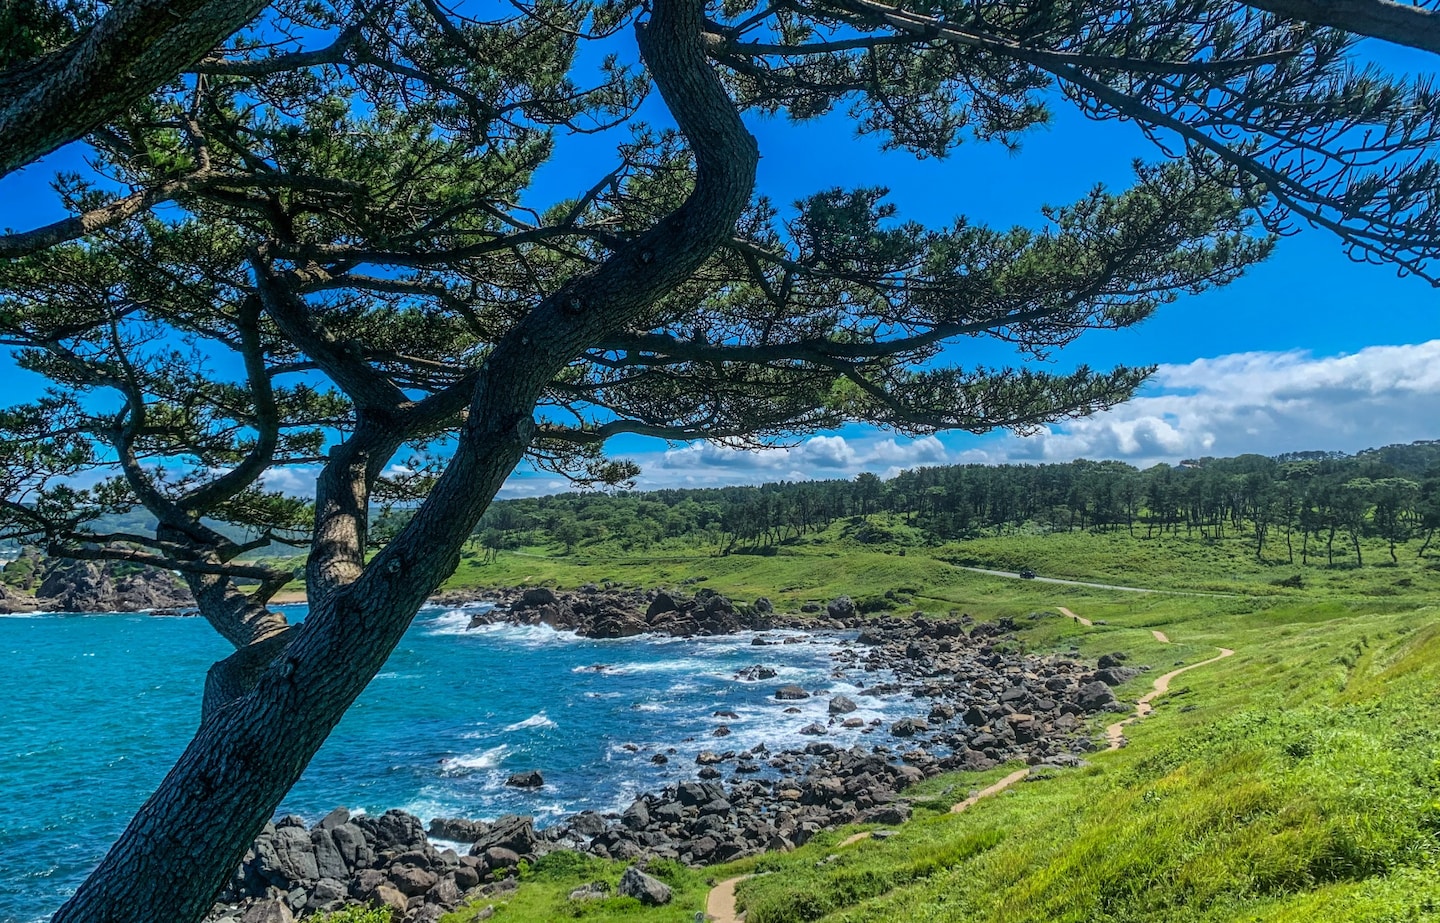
537, 596
637, 816
909, 727
661, 604
1116, 676
498, 857
588, 823
411, 881
841, 705
328, 894
395, 830
271, 911
349, 840
1095, 696
647, 890
791, 693
841, 607
897, 813
458, 829
329, 861
512, 832
294, 857
531, 779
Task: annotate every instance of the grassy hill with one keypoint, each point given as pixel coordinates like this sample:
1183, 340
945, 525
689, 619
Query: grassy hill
1297, 780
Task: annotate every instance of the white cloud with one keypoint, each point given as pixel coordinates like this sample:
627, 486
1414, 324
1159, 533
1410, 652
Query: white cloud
298, 482
1262, 402
815, 458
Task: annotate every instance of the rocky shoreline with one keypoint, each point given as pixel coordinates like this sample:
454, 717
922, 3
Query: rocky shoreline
89, 586
978, 703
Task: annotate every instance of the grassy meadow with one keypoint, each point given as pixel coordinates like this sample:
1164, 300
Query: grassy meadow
1296, 781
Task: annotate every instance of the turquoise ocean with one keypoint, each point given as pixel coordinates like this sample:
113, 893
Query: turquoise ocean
95, 708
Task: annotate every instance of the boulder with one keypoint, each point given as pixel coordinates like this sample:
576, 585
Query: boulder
647, 890
535, 597
394, 830
387, 896
530, 779
294, 857
329, 861
637, 816
268, 912
512, 832
458, 829
909, 727
1095, 696
349, 840
498, 857
841, 705
791, 693
661, 604
841, 607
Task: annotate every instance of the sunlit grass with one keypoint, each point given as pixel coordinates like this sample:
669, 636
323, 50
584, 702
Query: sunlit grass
1296, 781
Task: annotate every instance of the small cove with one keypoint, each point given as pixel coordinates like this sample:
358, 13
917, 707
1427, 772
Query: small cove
99, 706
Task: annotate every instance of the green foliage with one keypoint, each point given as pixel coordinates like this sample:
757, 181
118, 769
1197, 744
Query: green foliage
545, 887
1298, 780
356, 915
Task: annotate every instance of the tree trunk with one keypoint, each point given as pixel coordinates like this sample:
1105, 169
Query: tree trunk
134, 48
188, 838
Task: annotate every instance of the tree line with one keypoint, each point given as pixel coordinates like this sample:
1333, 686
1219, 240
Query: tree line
1301, 507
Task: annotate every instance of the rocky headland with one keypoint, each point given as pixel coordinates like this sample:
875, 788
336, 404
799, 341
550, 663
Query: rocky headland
89, 586
978, 702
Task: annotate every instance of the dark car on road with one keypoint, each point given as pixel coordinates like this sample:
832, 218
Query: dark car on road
1028, 574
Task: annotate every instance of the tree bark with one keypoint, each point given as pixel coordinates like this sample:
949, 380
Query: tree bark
1401, 23
132, 50
191, 834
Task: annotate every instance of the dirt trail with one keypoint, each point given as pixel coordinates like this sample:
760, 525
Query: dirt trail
1115, 733
1097, 586
720, 904
995, 789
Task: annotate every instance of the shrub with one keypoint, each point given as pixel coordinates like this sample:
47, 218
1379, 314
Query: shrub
355, 915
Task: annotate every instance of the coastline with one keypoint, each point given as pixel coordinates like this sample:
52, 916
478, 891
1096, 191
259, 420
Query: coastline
978, 705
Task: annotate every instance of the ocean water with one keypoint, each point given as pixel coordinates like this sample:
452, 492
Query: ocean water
95, 708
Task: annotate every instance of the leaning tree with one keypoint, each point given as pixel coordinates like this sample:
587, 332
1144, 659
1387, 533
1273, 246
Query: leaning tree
318, 248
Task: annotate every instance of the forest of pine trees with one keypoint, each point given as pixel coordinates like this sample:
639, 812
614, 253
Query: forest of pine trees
1298, 508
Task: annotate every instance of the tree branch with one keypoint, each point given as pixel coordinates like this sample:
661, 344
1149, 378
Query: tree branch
1401, 23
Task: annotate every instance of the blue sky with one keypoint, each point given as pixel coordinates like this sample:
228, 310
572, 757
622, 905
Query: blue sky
1309, 350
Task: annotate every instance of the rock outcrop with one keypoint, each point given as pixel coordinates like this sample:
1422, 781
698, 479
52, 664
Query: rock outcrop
89, 586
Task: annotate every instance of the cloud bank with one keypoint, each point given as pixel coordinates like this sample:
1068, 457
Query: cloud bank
1262, 402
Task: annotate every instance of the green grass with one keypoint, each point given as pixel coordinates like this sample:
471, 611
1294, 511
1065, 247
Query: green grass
545, 887
355, 915
1296, 781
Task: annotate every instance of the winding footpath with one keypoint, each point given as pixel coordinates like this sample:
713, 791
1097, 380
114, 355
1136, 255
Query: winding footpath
720, 903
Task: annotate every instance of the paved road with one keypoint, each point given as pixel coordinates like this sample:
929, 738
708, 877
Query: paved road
1096, 586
